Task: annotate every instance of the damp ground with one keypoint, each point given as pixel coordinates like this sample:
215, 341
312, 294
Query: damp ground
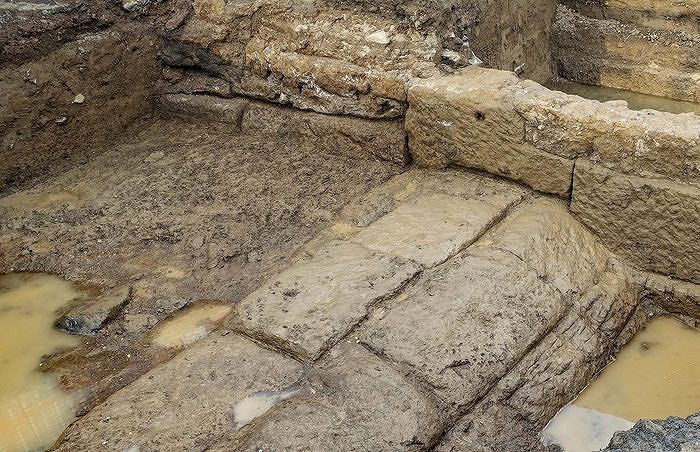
656, 375
180, 211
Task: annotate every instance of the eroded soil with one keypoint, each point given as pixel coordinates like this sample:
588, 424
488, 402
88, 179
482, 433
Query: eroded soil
180, 211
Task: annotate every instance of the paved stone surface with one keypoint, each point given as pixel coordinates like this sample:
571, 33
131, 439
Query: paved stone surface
652, 223
357, 403
315, 302
430, 228
467, 323
186, 403
516, 410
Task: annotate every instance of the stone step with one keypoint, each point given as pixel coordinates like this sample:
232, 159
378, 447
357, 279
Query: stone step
610, 53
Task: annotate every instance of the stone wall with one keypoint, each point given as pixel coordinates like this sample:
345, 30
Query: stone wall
351, 57
633, 177
652, 49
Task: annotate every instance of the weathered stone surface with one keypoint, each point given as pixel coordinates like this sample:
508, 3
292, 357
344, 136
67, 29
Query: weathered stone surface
208, 108
315, 302
672, 295
652, 223
642, 143
611, 53
429, 229
87, 318
186, 403
382, 139
357, 403
513, 414
351, 57
663, 435
469, 120
469, 321
415, 183
342, 135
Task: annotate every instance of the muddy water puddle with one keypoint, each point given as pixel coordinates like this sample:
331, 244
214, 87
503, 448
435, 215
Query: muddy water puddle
655, 376
635, 101
33, 410
191, 324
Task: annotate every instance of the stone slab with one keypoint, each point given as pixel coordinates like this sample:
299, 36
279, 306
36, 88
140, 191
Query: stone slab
653, 223
469, 120
315, 302
514, 413
465, 324
356, 403
430, 229
186, 403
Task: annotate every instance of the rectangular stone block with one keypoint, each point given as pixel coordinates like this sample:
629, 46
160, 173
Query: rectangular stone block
356, 402
469, 120
315, 302
652, 223
186, 403
429, 229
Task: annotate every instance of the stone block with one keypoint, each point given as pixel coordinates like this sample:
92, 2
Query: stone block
311, 305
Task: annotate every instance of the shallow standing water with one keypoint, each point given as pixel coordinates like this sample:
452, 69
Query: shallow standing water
655, 376
33, 410
635, 101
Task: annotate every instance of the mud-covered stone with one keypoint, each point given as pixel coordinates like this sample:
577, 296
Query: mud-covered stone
465, 324
205, 107
653, 223
668, 434
186, 403
430, 229
344, 135
315, 302
470, 120
516, 410
88, 317
672, 295
356, 403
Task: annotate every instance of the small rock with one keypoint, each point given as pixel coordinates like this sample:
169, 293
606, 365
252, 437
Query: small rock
85, 319
380, 37
79, 99
61, 120
135, 5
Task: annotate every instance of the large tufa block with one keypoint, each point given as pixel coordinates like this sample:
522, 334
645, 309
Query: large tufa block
653, 223
470, 120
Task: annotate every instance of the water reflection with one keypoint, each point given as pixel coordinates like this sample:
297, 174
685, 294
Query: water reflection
655, 376
33, 410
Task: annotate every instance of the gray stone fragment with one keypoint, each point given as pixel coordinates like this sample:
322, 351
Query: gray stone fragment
88, 317
671, 434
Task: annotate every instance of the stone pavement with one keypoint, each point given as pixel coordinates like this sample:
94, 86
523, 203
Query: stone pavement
444, 310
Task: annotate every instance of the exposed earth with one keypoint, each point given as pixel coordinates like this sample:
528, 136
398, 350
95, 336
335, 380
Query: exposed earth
341, 225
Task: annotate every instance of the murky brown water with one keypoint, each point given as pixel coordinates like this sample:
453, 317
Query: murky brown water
655, 376
33, 410
635, 101
193, 323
